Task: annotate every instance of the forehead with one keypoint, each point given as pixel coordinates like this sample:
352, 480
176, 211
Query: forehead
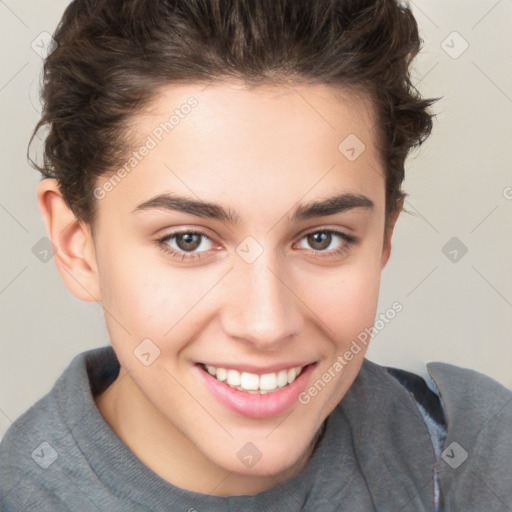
226, 105
227, 141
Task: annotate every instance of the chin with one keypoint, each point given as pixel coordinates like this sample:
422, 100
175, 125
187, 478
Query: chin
261, 459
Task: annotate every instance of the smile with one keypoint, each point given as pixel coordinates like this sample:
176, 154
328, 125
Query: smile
252, 382
284, 386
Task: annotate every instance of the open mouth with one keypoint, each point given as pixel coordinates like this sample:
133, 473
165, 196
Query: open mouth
252, 395
254, 383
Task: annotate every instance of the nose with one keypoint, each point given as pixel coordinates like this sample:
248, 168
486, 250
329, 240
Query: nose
260, 304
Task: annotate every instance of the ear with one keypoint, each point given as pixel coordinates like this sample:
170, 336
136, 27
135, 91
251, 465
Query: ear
388, 232
75, 254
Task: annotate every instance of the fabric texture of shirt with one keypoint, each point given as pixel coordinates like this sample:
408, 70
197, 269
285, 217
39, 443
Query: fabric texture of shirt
380, 449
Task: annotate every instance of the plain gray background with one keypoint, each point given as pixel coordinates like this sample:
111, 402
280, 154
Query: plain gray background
457, 306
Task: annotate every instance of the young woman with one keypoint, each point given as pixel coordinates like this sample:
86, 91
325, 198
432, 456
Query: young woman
223, 177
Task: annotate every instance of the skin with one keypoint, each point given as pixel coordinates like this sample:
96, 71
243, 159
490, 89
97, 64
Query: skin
258, 152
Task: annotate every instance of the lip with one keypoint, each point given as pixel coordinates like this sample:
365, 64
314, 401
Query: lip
255, 405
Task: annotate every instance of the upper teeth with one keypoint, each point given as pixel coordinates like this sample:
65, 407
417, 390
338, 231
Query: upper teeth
253, 382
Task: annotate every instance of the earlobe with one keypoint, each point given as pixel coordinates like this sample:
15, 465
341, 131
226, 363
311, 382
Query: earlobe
388, 232
75, 254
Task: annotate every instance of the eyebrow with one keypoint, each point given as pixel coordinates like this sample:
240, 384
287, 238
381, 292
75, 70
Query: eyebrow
329, 206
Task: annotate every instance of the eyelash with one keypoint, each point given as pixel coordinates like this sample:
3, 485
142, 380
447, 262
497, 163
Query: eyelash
348, 241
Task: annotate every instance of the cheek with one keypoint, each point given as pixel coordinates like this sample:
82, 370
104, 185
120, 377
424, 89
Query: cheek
346, 300
147, 298
135, 291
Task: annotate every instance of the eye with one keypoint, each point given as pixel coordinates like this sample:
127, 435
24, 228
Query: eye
190, 245
320, 241
183, 244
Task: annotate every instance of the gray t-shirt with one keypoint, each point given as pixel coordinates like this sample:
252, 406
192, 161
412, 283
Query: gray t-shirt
61, 455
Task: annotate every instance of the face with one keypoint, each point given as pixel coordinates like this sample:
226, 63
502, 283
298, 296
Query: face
246, 238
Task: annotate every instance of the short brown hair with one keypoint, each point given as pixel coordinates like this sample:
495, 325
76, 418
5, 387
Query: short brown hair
114, 55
